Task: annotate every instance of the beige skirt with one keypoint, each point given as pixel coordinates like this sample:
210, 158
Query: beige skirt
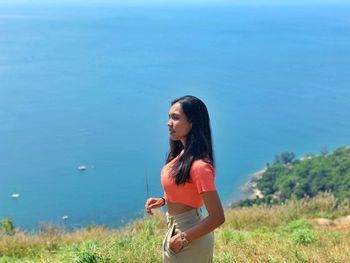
200, 250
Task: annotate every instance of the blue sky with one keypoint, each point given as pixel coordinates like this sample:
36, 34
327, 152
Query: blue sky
172, 2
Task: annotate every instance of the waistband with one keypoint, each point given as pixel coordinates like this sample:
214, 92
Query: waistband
195, 212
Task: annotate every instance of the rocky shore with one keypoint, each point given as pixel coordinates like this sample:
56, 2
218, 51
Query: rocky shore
250, 186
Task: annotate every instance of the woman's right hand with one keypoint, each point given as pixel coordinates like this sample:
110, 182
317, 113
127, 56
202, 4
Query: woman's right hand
153, 202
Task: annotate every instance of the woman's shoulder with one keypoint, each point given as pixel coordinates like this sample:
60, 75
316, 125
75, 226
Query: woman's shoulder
203, 163
202, 169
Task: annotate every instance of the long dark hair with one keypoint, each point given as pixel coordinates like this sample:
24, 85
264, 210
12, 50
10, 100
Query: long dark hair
198, 141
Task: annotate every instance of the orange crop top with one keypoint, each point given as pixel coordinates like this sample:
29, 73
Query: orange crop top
201, 180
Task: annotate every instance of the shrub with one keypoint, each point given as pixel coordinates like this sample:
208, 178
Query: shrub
303, 236
90, 254
6, 225
296, 225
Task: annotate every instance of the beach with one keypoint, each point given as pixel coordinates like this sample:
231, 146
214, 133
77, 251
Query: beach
250, 187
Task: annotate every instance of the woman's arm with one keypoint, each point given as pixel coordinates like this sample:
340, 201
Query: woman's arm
214, 219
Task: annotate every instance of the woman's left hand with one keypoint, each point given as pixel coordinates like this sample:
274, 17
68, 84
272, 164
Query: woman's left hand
175, 243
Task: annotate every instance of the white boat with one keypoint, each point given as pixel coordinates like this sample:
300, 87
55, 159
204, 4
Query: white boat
82, 168
15, 195
65, 217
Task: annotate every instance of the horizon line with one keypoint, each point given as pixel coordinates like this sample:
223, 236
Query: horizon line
177, 2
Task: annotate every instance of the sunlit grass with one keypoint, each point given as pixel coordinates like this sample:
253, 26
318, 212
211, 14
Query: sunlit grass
282, 233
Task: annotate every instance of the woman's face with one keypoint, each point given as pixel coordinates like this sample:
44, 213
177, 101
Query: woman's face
178, 124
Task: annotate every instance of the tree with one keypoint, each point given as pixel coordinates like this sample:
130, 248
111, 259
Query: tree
285, 158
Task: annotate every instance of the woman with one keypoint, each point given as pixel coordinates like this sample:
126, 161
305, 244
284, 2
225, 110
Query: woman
188, 182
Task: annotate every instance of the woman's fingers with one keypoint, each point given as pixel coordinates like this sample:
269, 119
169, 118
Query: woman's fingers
153, 203
175, 243
150, 204
149, 210
150, 207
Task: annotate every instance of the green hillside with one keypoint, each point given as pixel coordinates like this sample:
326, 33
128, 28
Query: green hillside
288, 178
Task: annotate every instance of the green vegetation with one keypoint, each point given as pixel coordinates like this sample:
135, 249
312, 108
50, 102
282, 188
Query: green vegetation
288, 178
282, 233
7, 227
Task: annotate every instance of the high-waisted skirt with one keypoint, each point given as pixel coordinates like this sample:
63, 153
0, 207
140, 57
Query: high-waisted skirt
200, 250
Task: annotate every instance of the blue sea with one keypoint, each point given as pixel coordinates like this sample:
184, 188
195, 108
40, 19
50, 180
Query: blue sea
92, 85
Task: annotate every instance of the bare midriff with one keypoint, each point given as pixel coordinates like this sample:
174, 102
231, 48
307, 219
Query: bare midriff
177, 208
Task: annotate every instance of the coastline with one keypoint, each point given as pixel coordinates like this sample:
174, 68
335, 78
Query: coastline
250, 187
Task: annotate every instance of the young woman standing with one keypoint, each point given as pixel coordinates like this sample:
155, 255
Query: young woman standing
188, 180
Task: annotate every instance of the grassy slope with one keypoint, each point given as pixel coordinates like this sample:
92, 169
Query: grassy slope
283, 233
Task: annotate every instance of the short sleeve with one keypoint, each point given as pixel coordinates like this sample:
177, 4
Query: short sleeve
203, 176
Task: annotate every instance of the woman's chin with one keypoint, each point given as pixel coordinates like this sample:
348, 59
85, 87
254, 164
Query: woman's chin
174, 138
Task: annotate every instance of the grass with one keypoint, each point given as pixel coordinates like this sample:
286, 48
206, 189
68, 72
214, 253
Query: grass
282, 233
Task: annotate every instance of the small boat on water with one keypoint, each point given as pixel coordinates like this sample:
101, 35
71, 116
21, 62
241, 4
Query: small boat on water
81, 168
65, 217
15, 195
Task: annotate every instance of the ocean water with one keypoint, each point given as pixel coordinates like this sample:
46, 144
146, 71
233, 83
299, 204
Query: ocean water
92, 85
